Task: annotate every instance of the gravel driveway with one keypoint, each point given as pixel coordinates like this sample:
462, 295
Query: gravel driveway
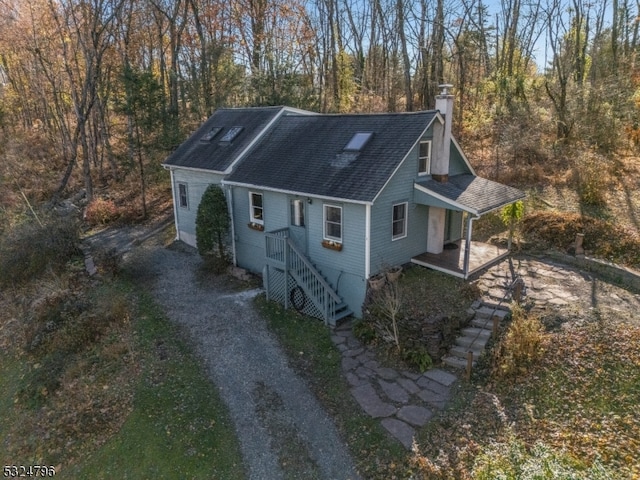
283, 431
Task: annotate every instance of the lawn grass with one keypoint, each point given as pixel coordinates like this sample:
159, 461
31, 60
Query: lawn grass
178, 427
134, 402
313, 355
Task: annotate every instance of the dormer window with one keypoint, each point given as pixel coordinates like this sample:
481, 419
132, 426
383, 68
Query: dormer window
210, 135
424, 158
231, 134
358, 141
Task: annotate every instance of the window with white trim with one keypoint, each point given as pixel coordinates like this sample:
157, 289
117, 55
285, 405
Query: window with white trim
256, 209
399, 221
424, 158
333, 223
183, 195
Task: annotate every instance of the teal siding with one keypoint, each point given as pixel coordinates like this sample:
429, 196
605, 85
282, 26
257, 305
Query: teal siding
385, 251
457, 165
197, 183
345, 269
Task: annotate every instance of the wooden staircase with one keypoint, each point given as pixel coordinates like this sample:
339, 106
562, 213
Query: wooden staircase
293, 280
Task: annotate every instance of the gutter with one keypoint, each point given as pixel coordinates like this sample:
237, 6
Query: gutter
175, 210
292, 192
229, 190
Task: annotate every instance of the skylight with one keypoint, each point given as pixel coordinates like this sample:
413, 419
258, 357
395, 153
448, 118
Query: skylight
358, 141
231, 134
207, 137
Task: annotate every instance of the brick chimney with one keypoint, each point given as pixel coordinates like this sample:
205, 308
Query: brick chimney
442, 136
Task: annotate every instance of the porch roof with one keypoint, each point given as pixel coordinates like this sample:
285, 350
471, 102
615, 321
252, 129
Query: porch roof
466, 192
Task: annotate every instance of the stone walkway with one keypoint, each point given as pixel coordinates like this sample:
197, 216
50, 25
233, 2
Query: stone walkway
554, 288
403, 400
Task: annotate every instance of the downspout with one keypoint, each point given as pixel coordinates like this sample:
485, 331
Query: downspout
367, 241
233, 223
467, 250
175, 210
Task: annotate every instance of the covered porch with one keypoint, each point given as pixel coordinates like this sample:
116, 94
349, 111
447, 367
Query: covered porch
469, 197
452, 260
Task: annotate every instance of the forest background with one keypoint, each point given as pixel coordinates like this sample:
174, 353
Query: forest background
95, 93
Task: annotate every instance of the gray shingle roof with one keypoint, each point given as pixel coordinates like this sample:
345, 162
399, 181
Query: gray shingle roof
473, 194
217, 156
305, 154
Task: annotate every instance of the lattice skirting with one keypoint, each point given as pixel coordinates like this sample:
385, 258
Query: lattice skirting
296, 295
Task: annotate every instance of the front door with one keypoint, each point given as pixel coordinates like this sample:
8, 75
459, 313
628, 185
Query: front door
452, 226
297, 226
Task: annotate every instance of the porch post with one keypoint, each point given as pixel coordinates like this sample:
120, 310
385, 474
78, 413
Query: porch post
467, 250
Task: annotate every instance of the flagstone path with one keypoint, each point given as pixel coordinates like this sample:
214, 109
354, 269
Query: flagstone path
405, 401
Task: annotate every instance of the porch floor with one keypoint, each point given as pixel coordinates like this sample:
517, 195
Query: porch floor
452, 260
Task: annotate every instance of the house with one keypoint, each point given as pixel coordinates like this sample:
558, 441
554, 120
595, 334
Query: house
320, 203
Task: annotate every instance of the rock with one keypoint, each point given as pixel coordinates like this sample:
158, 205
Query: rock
387, 373
239, 273
400, 430
415, 415
440, 376
393, 391
370, 402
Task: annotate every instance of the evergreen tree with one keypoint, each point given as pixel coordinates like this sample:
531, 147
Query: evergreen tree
212, 222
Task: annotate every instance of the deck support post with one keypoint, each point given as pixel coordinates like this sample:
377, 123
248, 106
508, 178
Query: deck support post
286, 273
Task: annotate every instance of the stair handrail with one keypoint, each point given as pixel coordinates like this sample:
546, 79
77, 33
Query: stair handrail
315, 272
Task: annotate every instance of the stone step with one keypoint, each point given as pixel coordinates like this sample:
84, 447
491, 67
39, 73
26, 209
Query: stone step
457, 362
461, 352
485, 323
476, 332
471, 342
487, 312
501, 307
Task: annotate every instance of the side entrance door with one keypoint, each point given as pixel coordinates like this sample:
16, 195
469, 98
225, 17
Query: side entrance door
297, 226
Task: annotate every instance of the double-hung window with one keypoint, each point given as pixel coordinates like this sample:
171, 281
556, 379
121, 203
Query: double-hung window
424, 158
399, 221
256, 209
333, 223
183, 196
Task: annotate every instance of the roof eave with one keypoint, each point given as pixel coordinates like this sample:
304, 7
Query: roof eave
169, 166
448, 201
293, 192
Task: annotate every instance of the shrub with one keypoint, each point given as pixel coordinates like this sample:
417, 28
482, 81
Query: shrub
212, 222
521, 345
592, 180
101, 212
417, 356
31, 248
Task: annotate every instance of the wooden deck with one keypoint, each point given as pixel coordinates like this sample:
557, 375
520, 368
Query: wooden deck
452, 261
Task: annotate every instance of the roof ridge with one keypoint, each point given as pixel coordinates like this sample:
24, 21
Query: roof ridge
371, 114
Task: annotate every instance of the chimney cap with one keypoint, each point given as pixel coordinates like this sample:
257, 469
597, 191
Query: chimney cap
445, 87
